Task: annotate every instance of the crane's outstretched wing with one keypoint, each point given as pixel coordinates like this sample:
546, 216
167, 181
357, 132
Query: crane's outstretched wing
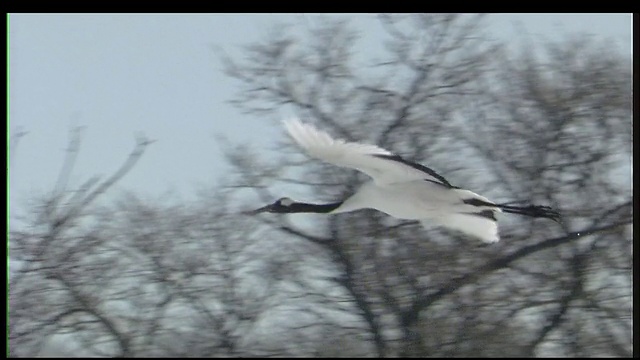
380, 164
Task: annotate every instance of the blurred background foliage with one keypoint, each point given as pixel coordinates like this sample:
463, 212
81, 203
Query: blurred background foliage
547, 123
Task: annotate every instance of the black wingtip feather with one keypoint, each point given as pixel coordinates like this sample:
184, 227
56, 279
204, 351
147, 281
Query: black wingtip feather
441, 180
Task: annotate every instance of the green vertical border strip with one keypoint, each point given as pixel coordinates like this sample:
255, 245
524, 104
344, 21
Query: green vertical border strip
8, 180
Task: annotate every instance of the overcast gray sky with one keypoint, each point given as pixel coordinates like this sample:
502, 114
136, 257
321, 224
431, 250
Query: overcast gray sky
120, 74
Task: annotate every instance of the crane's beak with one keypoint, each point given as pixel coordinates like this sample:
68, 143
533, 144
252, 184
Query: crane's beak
258, 211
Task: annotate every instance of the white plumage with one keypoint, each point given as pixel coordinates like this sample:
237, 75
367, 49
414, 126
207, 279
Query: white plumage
400, 188
320, 145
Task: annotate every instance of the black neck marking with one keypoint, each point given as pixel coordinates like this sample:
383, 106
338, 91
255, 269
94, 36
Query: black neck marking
440, 180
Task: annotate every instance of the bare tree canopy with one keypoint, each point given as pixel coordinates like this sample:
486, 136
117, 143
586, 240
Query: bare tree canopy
546, 124
550, 124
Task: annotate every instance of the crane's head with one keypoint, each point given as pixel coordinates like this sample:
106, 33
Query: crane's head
281, 206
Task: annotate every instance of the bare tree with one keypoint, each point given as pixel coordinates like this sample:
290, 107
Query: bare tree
551, 124
566, 108
450, 98
152, 278
43, 251
14, 140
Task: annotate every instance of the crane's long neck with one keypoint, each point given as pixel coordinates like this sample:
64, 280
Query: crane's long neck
299, 207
